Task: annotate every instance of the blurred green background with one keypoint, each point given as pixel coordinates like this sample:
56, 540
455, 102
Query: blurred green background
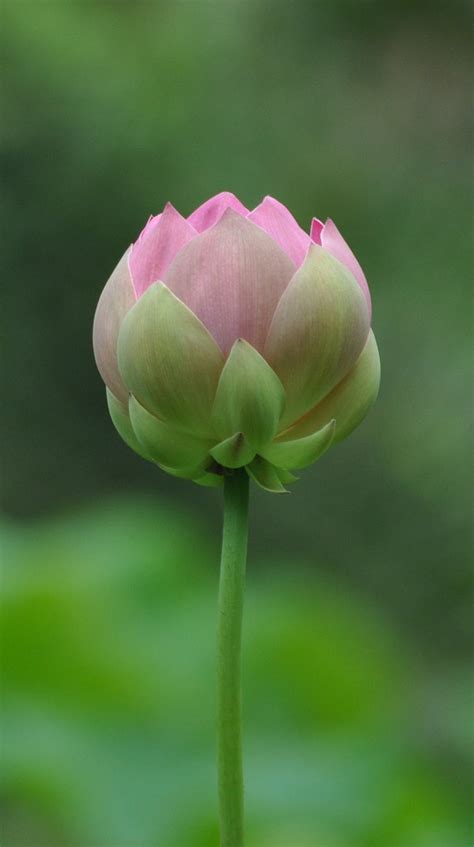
358, 635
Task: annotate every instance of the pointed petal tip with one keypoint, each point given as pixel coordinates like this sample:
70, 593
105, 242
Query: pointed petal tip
301, 452
233, 452
249, 398
277, 221
227, 197
171, 212
209, 212
286, 477
156, 247
316, 229
228, 213
268, 200
337, 246
152, 220
266, 476
240, 343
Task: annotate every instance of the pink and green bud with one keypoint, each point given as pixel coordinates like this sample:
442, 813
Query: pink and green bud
234, 339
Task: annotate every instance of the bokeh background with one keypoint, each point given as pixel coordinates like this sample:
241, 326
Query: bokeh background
358, 619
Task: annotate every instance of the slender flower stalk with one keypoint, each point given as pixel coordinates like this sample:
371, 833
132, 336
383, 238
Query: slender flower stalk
229, 632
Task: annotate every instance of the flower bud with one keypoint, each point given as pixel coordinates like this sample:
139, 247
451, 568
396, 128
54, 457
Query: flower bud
234, 339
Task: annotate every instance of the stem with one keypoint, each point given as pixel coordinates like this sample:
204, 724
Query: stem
229, 630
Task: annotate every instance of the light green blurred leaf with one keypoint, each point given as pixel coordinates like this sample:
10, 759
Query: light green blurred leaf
108, 620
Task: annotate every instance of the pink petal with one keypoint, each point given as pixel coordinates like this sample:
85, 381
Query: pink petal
280, 225
157, 246
333, 242
152, 220
316, 228
116, 300
209, 213
232, 277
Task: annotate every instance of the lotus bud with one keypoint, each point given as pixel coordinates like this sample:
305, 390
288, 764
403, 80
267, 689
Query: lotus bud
232, 338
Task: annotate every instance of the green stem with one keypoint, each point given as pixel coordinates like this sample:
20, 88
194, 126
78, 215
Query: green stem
229, 630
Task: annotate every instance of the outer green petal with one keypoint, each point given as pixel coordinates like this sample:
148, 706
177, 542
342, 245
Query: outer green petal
168, 360
121, 421
318, 331
265, 475
191, 472
250, 397
234, 452
210, 480
117, 298
301, 452
349, 401
164, 443
206, 478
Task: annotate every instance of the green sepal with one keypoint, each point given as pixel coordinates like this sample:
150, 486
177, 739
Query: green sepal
234, 452
265, 475
286, 477
249, 399
164, 443
122, 424
301, 452
169, 361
